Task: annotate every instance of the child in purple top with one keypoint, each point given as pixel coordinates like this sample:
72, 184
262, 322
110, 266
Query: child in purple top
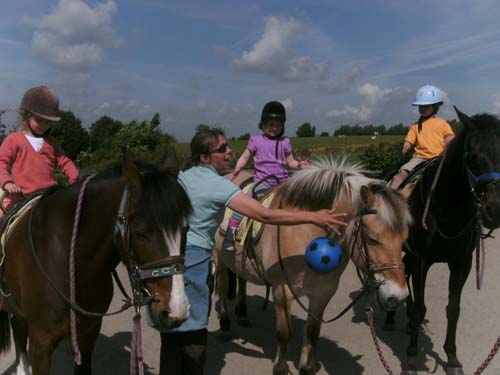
271, 153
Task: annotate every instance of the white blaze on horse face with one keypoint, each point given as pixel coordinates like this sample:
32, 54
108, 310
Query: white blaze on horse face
23, 365
179, 304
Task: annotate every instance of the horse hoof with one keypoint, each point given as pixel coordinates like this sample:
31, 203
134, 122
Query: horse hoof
224, 324
310, 369
280, 368
454, 371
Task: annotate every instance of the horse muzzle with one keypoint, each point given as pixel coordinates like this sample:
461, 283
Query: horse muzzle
391, 296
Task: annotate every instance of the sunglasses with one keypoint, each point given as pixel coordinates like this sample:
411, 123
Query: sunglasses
220, 150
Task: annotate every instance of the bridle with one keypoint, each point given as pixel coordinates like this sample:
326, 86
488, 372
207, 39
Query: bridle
138, 273
359, 240
369, 282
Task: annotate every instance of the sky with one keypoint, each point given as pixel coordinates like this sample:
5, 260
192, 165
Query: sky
216, 62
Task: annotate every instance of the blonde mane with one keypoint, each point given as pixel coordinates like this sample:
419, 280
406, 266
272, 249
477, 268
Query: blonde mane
328, 179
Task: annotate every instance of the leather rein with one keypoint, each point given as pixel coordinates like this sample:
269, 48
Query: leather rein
369, 282
137, 273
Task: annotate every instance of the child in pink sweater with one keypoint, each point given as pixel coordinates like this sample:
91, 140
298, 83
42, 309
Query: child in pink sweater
29, 157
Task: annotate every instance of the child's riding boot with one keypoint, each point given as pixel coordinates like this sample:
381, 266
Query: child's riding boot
229, 239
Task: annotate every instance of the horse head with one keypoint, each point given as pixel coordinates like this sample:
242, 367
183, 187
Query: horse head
376, 242
152, 222
482, 163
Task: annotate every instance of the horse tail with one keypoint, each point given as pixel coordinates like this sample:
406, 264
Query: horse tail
4, 332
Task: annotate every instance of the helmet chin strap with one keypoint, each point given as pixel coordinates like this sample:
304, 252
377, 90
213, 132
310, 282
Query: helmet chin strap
38, 135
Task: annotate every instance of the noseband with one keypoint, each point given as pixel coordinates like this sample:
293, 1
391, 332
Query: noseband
372, 268
165, 267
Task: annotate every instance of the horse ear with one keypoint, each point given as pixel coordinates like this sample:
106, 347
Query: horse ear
464, 119
131, 174
170, 162
407, 190
364, 192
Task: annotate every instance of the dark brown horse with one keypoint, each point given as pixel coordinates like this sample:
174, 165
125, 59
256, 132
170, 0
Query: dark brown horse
133, 217
465, 197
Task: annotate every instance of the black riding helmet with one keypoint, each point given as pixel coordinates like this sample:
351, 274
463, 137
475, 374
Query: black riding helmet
273, 110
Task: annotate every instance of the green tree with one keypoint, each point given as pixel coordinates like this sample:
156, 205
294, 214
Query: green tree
244, 137
70, 134
324, 134
102, 132
306, 130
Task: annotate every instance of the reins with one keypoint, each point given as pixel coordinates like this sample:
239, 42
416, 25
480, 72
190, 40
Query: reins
167, 266
369, 284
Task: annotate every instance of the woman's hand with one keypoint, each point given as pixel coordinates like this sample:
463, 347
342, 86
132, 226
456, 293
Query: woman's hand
12, 188
330, 220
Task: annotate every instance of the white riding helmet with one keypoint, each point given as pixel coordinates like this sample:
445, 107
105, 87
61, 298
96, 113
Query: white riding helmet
427, 95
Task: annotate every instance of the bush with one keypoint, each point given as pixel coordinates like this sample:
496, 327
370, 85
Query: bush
381, 156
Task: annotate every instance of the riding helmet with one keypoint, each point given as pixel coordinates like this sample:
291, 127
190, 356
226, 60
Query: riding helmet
427, 95
41, 101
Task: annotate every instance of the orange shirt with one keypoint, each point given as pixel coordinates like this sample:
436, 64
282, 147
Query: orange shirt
429, 143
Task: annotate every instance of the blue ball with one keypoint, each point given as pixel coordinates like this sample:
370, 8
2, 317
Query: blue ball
323, 254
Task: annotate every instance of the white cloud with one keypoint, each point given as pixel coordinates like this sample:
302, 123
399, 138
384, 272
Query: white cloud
373, 94
349, 113
272, 54
75, 35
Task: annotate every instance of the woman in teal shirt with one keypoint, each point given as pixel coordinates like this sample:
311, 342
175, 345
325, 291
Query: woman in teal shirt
183, 350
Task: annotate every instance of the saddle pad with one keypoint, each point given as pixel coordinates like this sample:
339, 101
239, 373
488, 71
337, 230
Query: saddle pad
12, 220
246, 223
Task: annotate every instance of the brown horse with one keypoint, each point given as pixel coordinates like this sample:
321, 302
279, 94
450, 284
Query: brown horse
133, 217
378, 227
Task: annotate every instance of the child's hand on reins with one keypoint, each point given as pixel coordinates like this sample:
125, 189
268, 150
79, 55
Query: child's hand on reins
12, 188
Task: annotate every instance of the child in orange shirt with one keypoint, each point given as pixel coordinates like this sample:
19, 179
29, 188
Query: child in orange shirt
28, 158
430, 135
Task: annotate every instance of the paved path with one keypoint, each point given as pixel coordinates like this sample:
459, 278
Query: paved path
344, 348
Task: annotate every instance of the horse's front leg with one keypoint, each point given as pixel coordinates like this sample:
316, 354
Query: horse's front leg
241, 303
20, 334
417, 311
282, 307
222, 286
317, 304
41, 347
458, 277
87, 338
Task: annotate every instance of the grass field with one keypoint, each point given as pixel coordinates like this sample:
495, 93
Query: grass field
310, 146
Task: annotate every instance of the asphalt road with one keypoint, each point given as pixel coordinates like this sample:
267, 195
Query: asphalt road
345, 346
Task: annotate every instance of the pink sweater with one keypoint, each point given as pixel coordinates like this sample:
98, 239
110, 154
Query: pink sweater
32, 170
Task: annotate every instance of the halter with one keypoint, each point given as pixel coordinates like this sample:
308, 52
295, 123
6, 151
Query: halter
168, 266
369, 282
372, 268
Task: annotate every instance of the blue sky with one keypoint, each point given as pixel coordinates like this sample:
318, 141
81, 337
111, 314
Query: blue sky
218, 62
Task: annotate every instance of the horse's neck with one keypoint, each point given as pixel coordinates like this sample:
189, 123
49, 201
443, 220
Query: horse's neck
452, 190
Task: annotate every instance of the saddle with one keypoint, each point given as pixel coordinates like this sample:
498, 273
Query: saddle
417, 172
7, 225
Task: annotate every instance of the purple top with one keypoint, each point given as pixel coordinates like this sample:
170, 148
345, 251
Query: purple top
264, 157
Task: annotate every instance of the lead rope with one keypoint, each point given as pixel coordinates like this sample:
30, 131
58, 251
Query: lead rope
72, 279
369, 316
136, 360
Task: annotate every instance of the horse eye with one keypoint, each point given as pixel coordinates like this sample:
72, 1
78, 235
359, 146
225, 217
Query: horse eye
372, 242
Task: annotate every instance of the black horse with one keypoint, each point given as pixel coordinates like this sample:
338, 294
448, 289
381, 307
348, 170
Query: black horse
465, 198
